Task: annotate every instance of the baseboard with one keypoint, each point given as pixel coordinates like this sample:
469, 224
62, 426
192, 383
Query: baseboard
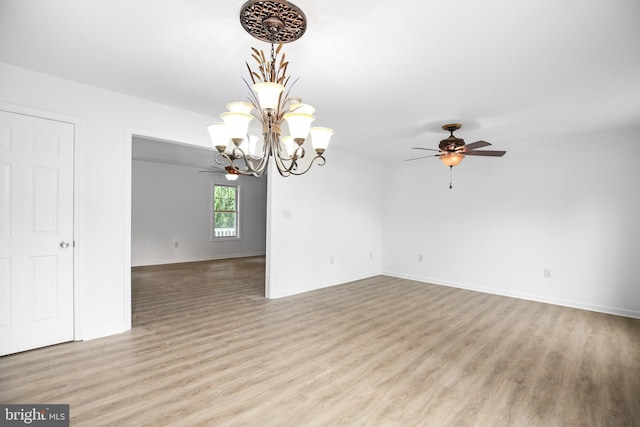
196, 259
525, 296
322, 285
93, 334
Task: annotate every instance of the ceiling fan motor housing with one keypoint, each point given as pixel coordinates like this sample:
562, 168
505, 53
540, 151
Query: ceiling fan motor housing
451, 144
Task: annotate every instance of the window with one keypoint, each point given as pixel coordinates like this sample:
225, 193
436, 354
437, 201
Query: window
225, 211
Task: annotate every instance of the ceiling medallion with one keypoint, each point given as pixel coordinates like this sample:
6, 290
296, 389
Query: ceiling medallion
273, 21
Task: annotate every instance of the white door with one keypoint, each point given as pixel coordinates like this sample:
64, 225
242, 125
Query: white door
36, 232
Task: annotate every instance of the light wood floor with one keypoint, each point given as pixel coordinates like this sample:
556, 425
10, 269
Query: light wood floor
207, 349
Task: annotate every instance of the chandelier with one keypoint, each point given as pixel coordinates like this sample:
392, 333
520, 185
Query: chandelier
275, 22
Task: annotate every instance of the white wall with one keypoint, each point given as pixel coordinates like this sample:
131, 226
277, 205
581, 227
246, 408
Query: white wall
335, 210
574, 211
173, 204
570, 205
103, 171
332, 212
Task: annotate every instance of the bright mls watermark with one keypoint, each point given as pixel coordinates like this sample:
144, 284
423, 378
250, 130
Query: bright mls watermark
34, 415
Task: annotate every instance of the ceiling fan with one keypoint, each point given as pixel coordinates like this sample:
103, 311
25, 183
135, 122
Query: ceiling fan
229, 172
452, 149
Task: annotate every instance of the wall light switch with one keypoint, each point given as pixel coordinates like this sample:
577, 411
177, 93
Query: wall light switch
547, 272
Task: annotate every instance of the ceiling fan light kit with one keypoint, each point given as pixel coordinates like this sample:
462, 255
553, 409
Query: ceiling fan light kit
452, 159
452, 150
275, 22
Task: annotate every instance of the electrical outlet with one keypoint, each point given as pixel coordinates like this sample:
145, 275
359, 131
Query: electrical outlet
330, 260
370, 255
420, 258
175, 244
547, 272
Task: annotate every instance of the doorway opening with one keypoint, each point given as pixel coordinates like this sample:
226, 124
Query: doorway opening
171, 211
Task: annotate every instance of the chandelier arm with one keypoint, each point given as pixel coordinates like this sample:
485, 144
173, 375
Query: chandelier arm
276, 151
225, 156
279, 152
250, 156
266, 147
262, 162
321, 161
248, 168
256, 170
282, 168
257, 166
229, 161
253, 165
237, 155
302, 151
291, 169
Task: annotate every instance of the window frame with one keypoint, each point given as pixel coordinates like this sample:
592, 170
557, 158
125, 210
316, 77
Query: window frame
213, 212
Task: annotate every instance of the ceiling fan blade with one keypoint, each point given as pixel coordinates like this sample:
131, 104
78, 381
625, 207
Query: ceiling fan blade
476, 144
213, 169
423, 157
421, 148
486, 153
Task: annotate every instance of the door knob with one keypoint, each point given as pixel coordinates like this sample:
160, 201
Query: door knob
64, 245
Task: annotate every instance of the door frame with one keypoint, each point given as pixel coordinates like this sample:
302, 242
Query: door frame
129, 133
77, 213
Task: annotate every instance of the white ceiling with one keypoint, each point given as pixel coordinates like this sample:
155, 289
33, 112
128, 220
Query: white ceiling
384, 75
153, 150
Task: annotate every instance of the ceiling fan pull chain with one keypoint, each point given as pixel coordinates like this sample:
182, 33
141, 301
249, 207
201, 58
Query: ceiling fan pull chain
450, 177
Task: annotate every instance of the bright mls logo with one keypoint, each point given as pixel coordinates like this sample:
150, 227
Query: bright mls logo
34, 415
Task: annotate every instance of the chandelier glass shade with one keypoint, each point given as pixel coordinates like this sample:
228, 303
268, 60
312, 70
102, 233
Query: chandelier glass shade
268, 94
269, 101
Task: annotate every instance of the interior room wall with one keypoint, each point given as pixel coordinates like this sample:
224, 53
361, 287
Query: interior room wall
544, 205
569, 205
325, 226
103, 168
172, 204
